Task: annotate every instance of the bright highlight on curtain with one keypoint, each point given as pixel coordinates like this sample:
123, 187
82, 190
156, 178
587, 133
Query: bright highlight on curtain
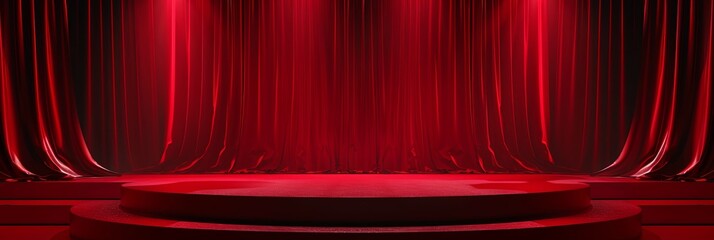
614, 87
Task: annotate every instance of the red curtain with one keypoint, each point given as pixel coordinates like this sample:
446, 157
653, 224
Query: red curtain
176, 86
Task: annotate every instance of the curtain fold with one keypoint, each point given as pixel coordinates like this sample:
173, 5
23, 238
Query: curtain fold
41, 134
670, 132
611, 87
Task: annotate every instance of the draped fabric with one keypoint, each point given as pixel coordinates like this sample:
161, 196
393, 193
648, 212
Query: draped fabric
40, 128
192, 86
670, 134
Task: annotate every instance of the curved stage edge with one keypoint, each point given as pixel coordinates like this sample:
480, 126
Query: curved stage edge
669, 210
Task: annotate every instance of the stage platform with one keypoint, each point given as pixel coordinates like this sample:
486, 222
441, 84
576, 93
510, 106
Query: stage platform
357, 206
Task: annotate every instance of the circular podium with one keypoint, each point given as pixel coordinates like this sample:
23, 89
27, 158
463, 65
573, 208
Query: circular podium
338, 207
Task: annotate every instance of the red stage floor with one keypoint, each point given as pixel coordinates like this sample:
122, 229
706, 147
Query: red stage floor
421, 205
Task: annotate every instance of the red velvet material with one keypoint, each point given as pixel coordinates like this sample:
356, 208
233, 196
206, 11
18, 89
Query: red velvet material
621, 87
